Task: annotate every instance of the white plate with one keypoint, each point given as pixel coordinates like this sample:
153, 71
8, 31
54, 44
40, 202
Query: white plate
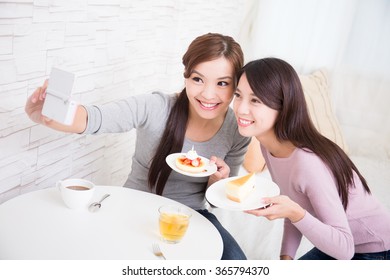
264, 187
209, 168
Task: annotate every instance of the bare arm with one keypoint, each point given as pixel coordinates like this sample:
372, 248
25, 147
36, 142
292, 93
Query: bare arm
34, 106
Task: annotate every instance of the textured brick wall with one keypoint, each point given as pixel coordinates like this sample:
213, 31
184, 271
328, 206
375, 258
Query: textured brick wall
116, 48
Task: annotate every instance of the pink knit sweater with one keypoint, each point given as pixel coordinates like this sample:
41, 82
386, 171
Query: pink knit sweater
363, 228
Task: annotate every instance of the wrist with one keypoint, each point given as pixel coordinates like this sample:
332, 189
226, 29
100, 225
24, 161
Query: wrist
297, 214
285, 257
80, 120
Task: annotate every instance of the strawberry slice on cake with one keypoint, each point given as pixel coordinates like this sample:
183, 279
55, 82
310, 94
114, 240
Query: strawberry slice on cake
190, 162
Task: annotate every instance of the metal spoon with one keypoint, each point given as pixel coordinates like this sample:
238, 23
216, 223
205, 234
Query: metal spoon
96, 205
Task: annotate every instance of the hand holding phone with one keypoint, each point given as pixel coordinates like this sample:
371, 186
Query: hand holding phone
58, 104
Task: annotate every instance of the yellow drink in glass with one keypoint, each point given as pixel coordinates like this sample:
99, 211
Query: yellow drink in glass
173, 223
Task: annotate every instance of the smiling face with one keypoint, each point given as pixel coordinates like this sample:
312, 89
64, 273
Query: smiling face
254, 118
210, 88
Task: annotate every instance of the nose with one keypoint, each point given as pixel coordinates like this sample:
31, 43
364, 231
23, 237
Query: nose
240, 107
208, 91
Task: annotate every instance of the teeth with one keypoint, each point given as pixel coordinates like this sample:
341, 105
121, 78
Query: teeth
245, 122
208, 105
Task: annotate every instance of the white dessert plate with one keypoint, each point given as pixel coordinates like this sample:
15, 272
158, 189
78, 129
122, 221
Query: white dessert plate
209, 168
264, 187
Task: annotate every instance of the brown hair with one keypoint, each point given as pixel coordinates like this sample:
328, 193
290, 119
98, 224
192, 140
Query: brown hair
277, 85
204, 48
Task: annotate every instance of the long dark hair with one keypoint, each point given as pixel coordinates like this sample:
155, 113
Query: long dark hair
204, 48
277, 85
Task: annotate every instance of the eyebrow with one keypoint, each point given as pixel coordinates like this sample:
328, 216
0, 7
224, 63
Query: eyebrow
220, 78
252, 93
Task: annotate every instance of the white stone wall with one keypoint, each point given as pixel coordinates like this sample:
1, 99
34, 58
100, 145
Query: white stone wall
116, 48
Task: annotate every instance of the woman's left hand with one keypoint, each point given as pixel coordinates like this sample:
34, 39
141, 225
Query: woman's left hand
281, 206
223, 170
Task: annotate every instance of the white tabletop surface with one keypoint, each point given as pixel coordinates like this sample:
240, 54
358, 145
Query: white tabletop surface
38, 225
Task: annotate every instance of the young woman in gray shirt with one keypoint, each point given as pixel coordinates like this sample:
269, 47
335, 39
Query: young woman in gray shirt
198, 116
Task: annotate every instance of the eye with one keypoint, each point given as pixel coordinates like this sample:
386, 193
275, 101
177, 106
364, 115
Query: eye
236, 95
197, 79
223, 83
256, 100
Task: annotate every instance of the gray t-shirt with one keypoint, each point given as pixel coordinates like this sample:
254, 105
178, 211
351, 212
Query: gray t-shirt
148, 114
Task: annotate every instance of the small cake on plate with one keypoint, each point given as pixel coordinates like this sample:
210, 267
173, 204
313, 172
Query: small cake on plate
238, 189
190, 162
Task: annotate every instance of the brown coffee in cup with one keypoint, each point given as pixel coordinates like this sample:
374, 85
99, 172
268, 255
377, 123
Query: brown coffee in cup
78, 188
76, 193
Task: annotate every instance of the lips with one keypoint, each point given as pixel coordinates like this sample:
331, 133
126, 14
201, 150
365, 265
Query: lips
208, 106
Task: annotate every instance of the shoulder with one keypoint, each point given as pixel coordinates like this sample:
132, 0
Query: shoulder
230, 115
230, 123
305, 157
308, 167
151, 109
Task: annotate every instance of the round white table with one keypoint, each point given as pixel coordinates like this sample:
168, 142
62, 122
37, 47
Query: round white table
38, 225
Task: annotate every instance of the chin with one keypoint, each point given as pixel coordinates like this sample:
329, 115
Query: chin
244, 132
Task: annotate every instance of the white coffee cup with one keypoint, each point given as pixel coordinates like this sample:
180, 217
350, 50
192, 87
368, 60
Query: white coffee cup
76, 193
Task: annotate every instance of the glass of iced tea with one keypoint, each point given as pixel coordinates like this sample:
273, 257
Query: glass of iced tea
173, 222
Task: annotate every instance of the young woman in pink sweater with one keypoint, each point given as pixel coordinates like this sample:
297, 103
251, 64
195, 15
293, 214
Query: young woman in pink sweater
323, 195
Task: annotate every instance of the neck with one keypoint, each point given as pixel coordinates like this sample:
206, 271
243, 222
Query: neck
200, 130
276, 148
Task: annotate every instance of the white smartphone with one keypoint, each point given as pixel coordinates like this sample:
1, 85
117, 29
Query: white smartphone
58, 104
